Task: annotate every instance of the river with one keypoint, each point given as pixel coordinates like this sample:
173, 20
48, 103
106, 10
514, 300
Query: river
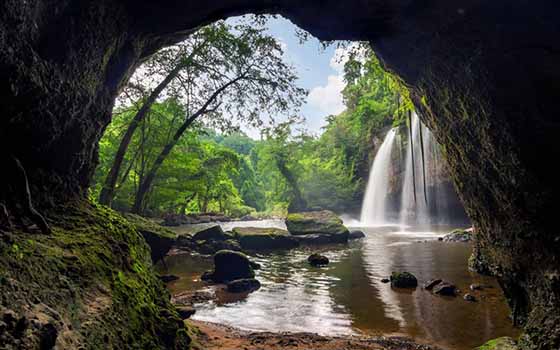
348, 297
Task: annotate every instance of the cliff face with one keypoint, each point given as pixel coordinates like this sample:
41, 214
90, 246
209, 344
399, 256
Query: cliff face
483, 73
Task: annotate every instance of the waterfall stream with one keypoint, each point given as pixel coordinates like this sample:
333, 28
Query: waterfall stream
422, 201
373, 205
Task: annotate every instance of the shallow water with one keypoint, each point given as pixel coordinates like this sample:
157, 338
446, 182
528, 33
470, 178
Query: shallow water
348, 297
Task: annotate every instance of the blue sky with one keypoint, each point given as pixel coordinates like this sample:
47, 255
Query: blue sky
318, 70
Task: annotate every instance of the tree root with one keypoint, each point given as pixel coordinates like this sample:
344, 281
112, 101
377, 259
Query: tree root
34, 215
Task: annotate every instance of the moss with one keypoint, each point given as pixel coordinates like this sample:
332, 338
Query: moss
503, 343
322, 222
143, 224
95, 271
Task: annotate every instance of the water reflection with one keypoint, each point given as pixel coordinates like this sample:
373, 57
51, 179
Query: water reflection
348, 297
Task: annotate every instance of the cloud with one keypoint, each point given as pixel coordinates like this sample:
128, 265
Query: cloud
328, 98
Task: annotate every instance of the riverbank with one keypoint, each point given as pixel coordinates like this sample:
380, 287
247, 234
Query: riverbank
214, 336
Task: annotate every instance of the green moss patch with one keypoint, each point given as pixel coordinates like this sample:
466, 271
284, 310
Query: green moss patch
95, 273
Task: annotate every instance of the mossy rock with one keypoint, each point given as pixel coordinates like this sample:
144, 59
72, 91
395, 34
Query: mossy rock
158, 237
212, 233
256, 238
503, 343
403, 280
95, 273
316, 222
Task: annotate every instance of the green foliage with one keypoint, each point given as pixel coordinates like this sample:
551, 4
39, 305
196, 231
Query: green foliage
214, 167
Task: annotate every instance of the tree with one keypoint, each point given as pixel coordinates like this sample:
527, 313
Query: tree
239, 75
170, 63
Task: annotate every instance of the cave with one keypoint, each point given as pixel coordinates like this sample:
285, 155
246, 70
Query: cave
483, 74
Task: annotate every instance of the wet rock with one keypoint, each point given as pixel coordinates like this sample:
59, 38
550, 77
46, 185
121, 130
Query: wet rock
212, 247
320, 239
254, 238
207, 276
503, 343
243, 285
317, 260
185, 311
475, 287
168, 278
356, 234
469, 297
230, 265
385, 280
317, 222
431, 284
459, 235
445, 288
255, 266
403, 280
212, 233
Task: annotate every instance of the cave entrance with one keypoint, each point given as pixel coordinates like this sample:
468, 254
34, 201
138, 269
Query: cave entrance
354, 115
62, 65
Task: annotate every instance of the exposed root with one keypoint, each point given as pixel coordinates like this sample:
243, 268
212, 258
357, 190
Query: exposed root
34, 215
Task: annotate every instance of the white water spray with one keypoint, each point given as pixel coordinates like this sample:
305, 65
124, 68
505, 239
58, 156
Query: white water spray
373, 204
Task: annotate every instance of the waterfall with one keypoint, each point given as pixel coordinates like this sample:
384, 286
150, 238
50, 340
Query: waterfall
414, 205
373, 204
435, 204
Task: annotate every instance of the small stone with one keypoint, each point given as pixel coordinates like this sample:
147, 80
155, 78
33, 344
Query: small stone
475, 287
469, 297
356, 234
243, 285
168, 278
318, 260
385, 280
440, 239
185, 312
445, 288
207, 276
432, 283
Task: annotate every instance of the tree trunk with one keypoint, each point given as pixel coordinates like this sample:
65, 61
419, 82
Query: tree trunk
108, 191
149, 179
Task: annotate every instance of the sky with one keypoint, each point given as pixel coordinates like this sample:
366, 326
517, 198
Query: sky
320, 71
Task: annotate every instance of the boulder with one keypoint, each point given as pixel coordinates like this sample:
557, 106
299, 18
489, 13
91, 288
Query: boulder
245, 285
459, 235
185, 311
317, 222
356, 234
318, 260
231, 265
445, 288
432, 283
403, 280
158, 237
385, 280
212, 247
212, 233
255, 238
503, 343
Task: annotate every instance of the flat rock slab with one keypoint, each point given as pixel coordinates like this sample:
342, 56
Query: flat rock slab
270, 238
316, 222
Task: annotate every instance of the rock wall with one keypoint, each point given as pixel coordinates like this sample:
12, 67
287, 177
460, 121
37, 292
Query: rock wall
483, 73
